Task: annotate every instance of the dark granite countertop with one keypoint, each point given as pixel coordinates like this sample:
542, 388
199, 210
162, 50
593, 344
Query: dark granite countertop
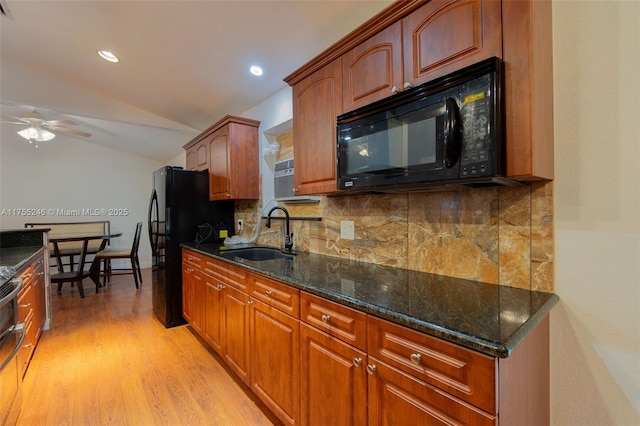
16, 257
488, 318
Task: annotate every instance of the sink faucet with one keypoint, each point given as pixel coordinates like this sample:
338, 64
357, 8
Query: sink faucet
288, 244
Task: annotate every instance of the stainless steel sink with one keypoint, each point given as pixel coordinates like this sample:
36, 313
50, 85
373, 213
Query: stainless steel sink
258, 253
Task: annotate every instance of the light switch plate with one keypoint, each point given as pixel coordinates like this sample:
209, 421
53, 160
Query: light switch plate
347, 230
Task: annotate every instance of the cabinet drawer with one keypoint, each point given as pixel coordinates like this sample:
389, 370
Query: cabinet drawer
25, 303
398, 398
275, 294
228, 274
192, 258
463, 373
339, 321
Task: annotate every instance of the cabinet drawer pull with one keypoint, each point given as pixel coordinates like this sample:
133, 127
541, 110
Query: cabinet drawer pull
371, 369
28, 305
250, 302
221, 287
416, 358
406, 85
357, 362
394, 90
268, 292
28, 345
40, 273
325, 318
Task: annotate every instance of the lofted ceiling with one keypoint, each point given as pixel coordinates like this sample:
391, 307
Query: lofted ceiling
184, 64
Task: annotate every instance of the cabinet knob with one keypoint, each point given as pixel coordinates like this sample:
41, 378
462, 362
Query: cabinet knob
250, 302
416, 358
295, 189
357, 362
371, 369
28, 345
40, 273
325, 318
221, 287
406, 85
268, 292
228, 195
394, 90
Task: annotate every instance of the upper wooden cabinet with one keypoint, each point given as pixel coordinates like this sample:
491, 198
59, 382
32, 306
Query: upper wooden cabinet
446, 35
440, 37
198, 156
412, 42
373, 69
229, 149
317, 101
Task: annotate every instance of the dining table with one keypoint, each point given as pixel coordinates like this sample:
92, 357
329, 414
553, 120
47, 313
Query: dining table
80, 273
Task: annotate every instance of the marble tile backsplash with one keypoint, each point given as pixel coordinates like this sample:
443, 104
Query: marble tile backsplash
500, 236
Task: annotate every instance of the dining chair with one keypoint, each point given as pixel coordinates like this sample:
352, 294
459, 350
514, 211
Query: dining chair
74, 276
107, 255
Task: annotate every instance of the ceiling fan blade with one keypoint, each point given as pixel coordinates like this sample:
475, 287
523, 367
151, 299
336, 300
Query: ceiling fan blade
70, 131
61, 123
14, 122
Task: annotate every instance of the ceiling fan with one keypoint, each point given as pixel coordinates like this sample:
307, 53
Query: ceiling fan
38, 129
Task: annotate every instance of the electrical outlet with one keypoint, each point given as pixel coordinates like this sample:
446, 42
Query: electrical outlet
240, 225
347, 230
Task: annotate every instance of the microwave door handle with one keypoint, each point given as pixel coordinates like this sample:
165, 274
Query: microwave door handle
451, 132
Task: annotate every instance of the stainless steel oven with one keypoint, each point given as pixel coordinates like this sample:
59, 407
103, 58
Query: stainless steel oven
11, 338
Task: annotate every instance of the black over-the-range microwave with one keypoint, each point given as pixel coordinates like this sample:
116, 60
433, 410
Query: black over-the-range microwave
447, 133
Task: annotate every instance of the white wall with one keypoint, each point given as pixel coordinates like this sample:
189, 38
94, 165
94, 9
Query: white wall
595, 342
68, 173
275, 115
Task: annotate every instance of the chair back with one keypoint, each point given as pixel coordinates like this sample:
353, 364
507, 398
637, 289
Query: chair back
136, 238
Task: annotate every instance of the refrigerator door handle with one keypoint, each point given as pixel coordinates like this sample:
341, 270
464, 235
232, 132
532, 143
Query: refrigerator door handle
153, 221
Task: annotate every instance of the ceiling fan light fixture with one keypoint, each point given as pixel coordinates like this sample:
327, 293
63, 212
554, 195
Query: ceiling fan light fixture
38, 135
108, 56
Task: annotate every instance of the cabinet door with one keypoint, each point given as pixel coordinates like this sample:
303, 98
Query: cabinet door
373, 69
446, 35
317, 102
333, 381
193, 297
213, 320
219, 165
236, 332
202, 156
192, 158
396, 398
274, 360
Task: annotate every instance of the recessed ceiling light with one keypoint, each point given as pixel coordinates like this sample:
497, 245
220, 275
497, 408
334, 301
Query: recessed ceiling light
255, 70
108, 56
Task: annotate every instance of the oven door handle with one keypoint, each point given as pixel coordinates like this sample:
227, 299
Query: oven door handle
18, 328
17, 282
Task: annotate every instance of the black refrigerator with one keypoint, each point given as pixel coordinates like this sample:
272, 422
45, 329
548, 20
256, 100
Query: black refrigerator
180, 212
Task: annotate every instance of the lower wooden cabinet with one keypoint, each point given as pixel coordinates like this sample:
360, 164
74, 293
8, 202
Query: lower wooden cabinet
315, 362
333, 380
192, 291
396, 398
31, 308
275, 360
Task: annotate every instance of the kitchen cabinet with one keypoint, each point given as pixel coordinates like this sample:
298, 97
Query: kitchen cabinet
373, 69
438, 38
275, 360
198, 156
229, 150
333, 378
317, 101
446, 35
192, 290
412, 42
233, 160
31, 308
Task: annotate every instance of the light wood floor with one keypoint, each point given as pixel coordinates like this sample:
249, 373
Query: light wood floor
108, 361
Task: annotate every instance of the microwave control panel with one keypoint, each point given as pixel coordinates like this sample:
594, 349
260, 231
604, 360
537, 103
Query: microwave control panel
478, 155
